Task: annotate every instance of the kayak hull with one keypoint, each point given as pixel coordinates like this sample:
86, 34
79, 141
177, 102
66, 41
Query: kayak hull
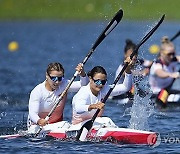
109, 134
103, 130
118, 135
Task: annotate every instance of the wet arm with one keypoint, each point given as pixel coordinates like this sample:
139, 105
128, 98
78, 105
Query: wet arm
163, 74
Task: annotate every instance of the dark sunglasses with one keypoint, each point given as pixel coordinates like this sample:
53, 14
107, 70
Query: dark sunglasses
100, 82
56, 78
171, 54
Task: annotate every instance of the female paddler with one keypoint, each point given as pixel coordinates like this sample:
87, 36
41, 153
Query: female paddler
88, 99
46, 94
164, 70
130, 46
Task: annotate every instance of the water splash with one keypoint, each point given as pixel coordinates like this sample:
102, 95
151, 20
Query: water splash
142, 107
3, 114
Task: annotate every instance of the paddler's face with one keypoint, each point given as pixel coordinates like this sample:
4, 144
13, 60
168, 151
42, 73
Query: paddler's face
54, 79
168, 54
128, 54
97, 82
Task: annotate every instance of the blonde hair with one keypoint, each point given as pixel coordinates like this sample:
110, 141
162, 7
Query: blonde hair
165, 42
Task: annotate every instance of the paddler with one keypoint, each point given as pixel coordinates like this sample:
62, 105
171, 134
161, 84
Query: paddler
164, 70
46, 94
88, 99
129, 47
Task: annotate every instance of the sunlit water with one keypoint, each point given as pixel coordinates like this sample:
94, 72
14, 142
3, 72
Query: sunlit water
43, 42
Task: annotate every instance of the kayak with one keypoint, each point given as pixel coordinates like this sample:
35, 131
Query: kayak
103, 129
173, 99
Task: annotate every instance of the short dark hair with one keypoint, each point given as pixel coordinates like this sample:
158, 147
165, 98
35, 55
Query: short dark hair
97, 69
129, 45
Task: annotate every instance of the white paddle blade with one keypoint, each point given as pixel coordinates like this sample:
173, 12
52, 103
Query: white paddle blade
111, 27
83, 134
10, 136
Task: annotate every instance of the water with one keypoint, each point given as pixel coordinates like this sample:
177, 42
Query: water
68, 43
142, 107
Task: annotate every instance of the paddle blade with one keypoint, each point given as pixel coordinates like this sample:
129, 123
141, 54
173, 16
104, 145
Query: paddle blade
82, 133
147, 36
111, 25
13, 136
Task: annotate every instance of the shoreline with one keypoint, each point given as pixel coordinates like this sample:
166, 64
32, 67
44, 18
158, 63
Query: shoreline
88, 10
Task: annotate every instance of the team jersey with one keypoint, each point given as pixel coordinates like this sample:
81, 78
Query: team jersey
158, 83
85, 97
41, 100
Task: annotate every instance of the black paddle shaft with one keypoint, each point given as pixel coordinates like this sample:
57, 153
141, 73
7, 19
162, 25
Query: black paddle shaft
175, 36
145, 38
111, 25
88, 125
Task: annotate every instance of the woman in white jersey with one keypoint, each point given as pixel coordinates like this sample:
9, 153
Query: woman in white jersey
88, 99
46, 94
163, 70
130, 46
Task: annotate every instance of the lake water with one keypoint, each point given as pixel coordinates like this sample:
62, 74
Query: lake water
68, 43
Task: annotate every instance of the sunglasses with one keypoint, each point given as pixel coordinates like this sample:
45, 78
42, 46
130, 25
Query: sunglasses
100, 82
171, 54
56, 78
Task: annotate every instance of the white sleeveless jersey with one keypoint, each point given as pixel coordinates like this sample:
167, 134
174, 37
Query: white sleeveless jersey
84, 98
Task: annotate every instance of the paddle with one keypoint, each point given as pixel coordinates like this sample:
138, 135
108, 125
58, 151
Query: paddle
82, 133
111, 25
175, 36
154, 49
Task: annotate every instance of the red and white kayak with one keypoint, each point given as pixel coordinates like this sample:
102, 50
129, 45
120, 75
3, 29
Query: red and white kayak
118, 135
103, 130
